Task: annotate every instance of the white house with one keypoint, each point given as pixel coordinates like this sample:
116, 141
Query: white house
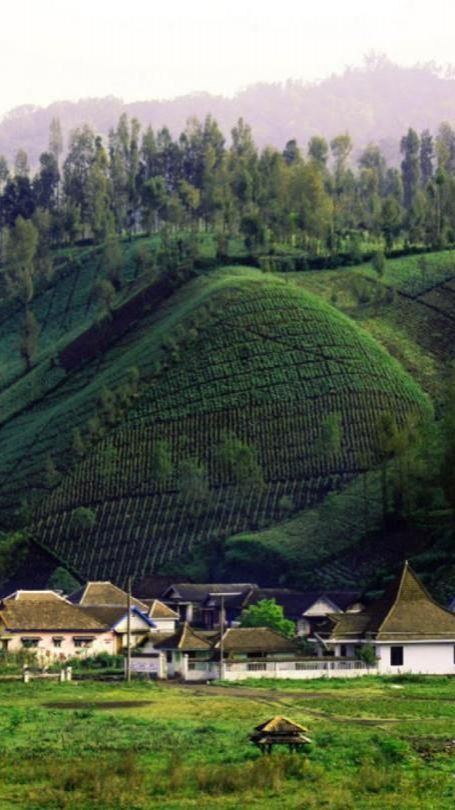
163, 617
408, 630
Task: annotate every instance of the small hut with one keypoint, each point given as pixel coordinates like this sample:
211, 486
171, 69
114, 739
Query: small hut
280, 731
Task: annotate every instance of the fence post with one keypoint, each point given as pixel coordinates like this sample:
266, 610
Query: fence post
26, 674
62, 675
69, 673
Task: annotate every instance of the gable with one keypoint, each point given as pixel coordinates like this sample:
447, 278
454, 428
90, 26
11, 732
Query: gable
322, 607
138, 623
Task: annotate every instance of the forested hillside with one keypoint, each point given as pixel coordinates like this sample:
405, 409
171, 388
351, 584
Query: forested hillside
190, 353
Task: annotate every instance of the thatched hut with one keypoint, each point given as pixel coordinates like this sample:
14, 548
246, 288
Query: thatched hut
280, 731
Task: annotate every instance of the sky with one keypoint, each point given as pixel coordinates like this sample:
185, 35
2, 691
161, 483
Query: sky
69, 49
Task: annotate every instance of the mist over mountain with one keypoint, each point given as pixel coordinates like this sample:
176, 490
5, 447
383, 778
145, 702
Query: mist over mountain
376, 102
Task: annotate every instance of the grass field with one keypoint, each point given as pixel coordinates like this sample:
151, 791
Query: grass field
377, 743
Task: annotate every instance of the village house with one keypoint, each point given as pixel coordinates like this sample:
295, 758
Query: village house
109, 605
201, 604
194, 654
308, 609
407, 629
50, 626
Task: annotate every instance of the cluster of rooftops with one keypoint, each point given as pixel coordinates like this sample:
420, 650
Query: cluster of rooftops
199, 618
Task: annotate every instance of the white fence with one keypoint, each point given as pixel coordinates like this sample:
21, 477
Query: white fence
298, 669
322, 668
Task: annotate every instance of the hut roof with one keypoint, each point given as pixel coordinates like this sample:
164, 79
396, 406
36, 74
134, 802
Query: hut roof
280, 725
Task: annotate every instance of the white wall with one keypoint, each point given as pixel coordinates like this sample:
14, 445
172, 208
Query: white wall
321, 608
163, 626
46, 652
427, 658
297, 670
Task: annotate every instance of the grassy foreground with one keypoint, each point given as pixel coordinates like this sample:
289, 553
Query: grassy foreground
377, 744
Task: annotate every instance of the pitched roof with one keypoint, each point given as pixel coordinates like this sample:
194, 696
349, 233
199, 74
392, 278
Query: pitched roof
110, 616
103, 594
190, 592
34, 596
34, 616
296, 603
405, 612
256, 639
185, 639
158, 610
280, 725
152, 586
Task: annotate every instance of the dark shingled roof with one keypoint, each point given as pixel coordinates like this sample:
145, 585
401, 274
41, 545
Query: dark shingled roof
189, 592
296, 603
406, 612
49, 614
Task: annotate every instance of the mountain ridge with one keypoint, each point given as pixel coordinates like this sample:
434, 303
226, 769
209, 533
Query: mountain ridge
375, 102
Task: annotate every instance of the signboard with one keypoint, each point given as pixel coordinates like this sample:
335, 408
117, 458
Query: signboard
146, 664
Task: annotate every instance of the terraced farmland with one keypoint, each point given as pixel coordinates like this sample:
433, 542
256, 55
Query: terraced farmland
238, 354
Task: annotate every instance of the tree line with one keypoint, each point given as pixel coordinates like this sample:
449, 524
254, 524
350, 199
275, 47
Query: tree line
316, 200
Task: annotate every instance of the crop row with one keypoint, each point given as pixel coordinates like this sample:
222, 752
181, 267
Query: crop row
137, 534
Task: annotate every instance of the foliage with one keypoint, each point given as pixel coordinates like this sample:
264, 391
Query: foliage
266, 613
13, 549
367, 654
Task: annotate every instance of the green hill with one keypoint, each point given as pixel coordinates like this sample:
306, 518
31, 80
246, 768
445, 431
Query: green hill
220, 409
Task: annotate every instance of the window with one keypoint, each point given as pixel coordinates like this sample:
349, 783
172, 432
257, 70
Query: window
82, 641
57, 641
169, 657
30, 643
396, 656
343, 652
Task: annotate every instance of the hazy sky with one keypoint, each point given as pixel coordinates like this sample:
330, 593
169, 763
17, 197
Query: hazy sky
69, 49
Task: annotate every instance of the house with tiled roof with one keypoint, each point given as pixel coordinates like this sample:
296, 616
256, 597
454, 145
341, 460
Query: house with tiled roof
108, 603
407, 629
164, 618
49, 625
195, 654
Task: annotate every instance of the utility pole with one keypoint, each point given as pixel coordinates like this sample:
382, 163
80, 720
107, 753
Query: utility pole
222, 638
128, 633
222, 596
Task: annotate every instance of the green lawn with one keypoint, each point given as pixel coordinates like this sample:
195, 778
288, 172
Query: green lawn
377, 743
